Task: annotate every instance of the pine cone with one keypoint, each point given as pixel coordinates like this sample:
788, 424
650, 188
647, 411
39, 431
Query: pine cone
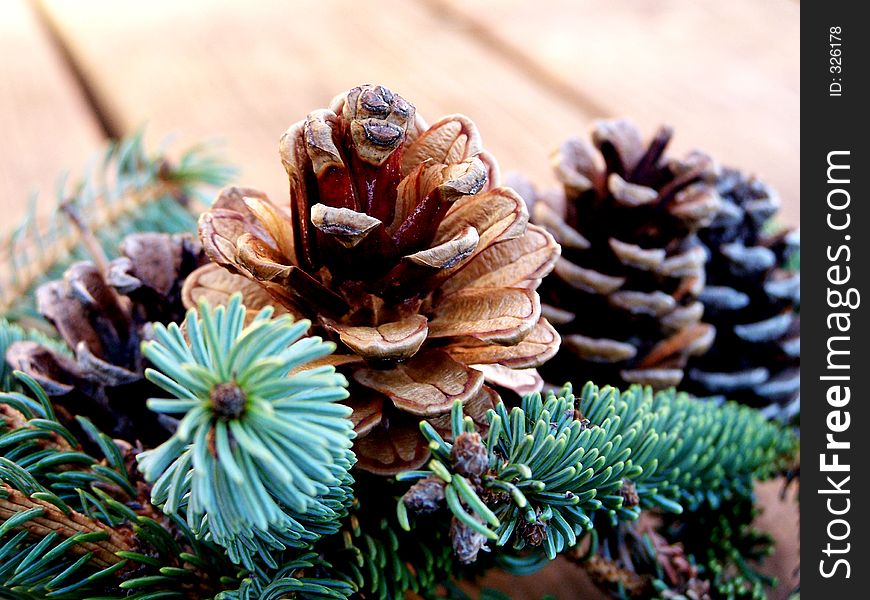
103, 318
623, 294
399, 245
753, 300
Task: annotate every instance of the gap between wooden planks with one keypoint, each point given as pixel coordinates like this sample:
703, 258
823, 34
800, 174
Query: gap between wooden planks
725, 74
245, 71
45, 122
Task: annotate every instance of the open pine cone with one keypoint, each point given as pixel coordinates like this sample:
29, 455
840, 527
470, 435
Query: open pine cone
753, 300
103, 317
399, 245
623, 294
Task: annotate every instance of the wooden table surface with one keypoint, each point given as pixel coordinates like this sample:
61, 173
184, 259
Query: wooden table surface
530, 73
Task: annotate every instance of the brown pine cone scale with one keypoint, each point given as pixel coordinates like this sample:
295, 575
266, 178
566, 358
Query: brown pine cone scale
398, 243
103, 318
623, 296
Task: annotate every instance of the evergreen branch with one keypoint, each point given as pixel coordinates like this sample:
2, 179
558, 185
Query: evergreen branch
546, 469
45, 519
290, 581
689, 450
368, 558
542, 471
383, 562
47, 455
72, 525
260, 460
168, 557
126, 190
19, 436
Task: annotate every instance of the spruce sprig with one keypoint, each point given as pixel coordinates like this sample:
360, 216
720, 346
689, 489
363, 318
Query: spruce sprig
382, 562
690, 451
547, 473
73, 525
260, 460
126, 189
290, 581
557, 462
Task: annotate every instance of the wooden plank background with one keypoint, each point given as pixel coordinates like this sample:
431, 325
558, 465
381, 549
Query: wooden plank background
530, 73
724, 74
46, 125
191, 68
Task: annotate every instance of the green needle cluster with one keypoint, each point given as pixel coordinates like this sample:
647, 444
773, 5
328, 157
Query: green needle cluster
557, 462
73, 525
261, 456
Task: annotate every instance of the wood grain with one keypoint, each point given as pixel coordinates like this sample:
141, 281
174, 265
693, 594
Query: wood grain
725, 74
46, 125
244, 72
781, 517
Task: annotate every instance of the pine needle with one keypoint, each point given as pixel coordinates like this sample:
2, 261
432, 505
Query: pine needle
125, 190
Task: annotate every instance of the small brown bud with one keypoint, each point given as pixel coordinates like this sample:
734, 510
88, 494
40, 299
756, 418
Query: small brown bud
467, 543
629, 494
228, 400
533, 533
425, 496
493, 497
469, 455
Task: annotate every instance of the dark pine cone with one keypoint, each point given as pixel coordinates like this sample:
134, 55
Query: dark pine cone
103, 317
753, 300
623, 296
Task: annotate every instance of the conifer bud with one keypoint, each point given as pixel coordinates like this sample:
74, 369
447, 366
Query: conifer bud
469, 455
467, 543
